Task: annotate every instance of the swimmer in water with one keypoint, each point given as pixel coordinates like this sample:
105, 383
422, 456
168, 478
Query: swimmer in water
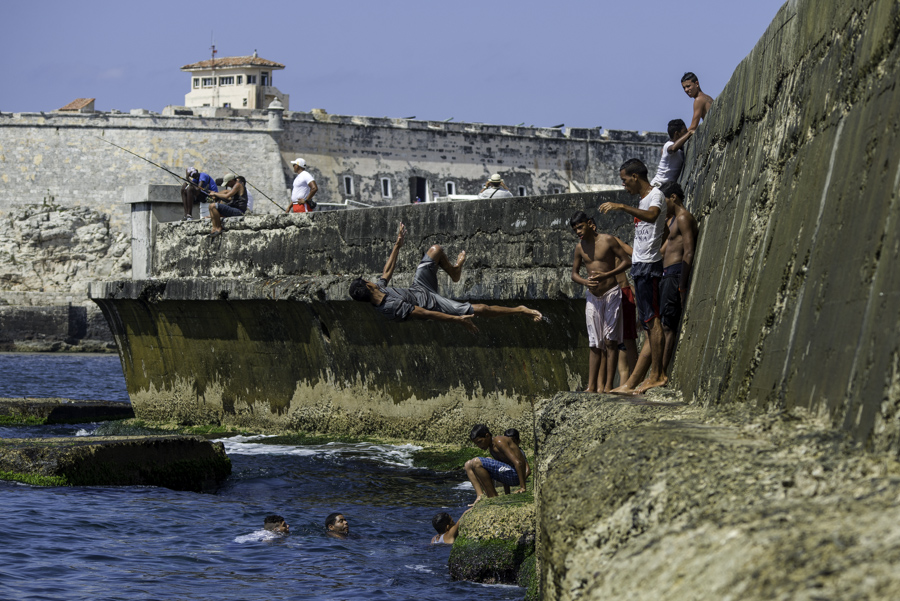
276, 523
421, 300
447, 529
336, 525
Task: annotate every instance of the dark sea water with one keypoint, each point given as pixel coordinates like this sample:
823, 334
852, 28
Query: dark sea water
154, 543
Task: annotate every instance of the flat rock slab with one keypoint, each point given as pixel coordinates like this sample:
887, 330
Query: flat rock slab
61, 411
178, 462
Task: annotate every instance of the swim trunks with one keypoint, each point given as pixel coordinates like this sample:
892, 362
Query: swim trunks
604, 317
399, 303
629, 315
646, 290
670, 297
499, 471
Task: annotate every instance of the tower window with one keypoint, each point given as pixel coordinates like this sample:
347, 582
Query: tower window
196, 82
240, 79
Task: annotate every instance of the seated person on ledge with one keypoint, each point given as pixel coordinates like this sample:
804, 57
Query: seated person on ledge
276, 523
421, 300
336, 525
447, 529
506, 465
235, 204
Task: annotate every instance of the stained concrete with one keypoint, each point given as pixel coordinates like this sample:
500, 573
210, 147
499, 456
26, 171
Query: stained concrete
795, 177
177, 462
254, 328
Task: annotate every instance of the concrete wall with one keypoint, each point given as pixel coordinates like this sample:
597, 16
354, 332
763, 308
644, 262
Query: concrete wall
255, 327
796, 178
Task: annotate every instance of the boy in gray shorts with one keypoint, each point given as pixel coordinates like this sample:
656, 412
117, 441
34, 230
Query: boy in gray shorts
421, 300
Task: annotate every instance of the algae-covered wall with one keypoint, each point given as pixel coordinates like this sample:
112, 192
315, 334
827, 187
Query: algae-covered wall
255, 327
795, 299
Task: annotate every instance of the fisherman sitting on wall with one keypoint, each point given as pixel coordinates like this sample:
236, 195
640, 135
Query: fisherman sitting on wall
235, 197
195, 191
421, 300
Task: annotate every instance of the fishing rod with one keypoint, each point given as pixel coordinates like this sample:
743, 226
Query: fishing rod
266, 196
172, 173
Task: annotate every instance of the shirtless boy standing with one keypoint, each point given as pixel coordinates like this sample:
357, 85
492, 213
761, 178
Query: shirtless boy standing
702, 101
506, 465
678, 257
603, 311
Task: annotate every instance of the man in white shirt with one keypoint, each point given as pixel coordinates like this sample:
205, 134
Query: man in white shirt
304, 189
672, 159
495, 188
646, 268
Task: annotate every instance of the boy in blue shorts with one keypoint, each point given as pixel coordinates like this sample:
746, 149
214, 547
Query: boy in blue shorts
506, 464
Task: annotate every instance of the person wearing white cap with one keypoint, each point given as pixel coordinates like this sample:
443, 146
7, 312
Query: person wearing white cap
495, 188
304, 189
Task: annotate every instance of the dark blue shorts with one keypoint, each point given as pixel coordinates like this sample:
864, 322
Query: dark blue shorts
499, 471
228, 211
646, 290
670, 296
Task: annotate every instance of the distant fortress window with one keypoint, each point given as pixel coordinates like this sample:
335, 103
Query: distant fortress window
348, 185
451, 188
265, 78
522, 191
240, 79
386, 187
245, 102
209, 82
251, 80
556, 190
226, 81
196, 82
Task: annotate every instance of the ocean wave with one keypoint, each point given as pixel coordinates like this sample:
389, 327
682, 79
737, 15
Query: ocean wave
399, 455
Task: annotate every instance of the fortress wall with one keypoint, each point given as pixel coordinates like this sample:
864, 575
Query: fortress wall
255, 327
56, 156
466, 154
795, 176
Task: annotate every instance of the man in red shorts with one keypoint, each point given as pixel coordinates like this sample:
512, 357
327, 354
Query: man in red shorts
304, 189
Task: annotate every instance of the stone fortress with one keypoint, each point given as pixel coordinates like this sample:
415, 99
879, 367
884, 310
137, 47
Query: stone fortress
63, 221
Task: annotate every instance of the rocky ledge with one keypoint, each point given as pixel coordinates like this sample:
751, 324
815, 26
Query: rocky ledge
177, 462
33, 411
657, 500
496, 543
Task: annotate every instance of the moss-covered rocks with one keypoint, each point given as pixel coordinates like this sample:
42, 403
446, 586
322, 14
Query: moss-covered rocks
496, 542
33, 411
177, 462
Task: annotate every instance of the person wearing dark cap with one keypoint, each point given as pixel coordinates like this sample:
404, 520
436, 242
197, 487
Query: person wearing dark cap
303, 190
195, 191
235, 197
495, 188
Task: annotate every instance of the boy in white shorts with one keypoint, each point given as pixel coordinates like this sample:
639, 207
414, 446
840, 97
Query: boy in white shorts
603, 257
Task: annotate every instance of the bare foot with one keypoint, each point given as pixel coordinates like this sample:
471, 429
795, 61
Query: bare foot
472, 504
535, 314
457, 269
589, 390
623, 389
648, 384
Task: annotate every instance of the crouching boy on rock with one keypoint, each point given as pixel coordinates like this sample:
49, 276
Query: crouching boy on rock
507, 464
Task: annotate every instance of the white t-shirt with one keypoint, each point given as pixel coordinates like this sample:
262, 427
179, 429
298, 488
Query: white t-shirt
648, 236
301, 187
669, 165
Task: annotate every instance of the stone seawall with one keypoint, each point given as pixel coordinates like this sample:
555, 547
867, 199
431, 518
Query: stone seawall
255, 328
795, 300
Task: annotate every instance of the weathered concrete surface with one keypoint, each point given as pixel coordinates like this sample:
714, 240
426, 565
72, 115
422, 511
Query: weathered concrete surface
495, 544
68, 328
178, 462
796, 177
273, 341
62, 411
670, 502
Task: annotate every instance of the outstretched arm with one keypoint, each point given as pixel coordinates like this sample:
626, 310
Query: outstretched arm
395, 252
648, 215
464, 320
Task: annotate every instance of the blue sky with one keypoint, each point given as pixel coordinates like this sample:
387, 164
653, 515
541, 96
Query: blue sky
584, 64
